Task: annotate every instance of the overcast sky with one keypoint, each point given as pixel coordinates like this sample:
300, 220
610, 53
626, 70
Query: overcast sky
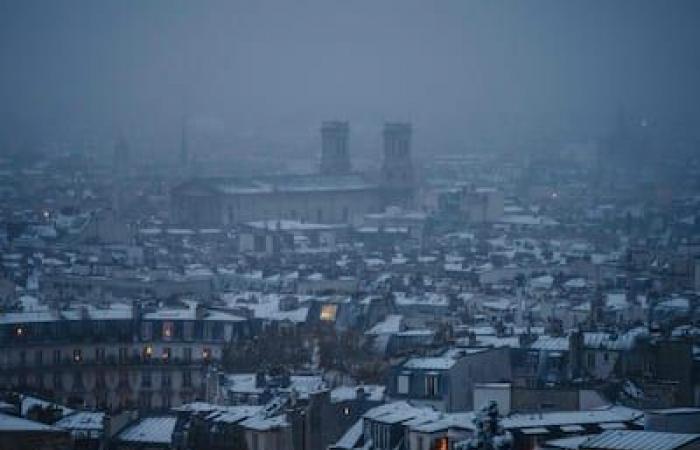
454, 68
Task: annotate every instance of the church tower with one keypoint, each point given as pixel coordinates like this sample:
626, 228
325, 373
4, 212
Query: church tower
335, 156
397, 177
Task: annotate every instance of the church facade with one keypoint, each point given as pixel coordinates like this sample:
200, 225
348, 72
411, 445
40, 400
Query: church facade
335, 195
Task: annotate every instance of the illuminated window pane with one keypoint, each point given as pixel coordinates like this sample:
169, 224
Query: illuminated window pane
328, 312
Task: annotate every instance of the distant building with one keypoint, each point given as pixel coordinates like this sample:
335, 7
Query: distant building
333, 196
335, 155
481, 205
397, 173
115, 357
446, 382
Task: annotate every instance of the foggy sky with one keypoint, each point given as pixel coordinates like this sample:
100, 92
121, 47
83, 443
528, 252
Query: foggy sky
454, 68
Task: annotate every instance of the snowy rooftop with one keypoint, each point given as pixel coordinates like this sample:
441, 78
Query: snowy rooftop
82, 420
390, 325
263, 424
157, 430
9, 424
430, 363
640, 440
374, 393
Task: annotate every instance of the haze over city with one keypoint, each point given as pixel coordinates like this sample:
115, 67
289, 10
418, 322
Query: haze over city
349, 225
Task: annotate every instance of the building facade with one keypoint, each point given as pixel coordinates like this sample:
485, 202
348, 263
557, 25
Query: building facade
335, 195
115, 357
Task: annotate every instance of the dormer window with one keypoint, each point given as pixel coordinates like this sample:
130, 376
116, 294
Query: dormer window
432, 385
403, 383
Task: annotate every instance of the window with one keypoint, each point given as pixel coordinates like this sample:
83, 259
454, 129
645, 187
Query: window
206, 354
188, 331
402, 384
168, 330
22, 358
259, 243
77, 355
146, 331
591, 360
39, 358
441, 444
78, 380
328, 312
57, 381
187, 355
165, 380
145, 400
165, 355
148, 351
57, 356
123, 354
186, 378
432, 385
100, 354
146, 379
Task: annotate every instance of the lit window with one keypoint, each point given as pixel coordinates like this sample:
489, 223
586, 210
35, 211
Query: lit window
441, 444
346, 411
147, 351
77, 355
206, 354
166, 354
167, 329
19, 331
328, 312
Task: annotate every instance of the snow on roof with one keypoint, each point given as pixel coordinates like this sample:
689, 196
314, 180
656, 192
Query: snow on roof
9, 424
503, 304
616, 300
430, 363
610, 341
350, 439
568, 443
576, 283
264, 424
562, 418
677, 303
397, 412
444, 421
390, 325
235, 414
549, 343
291, 225
266, 306
428, 298
157, 430
543, 282
639, 440
82, 420
28, 402
527, 220
374, 393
